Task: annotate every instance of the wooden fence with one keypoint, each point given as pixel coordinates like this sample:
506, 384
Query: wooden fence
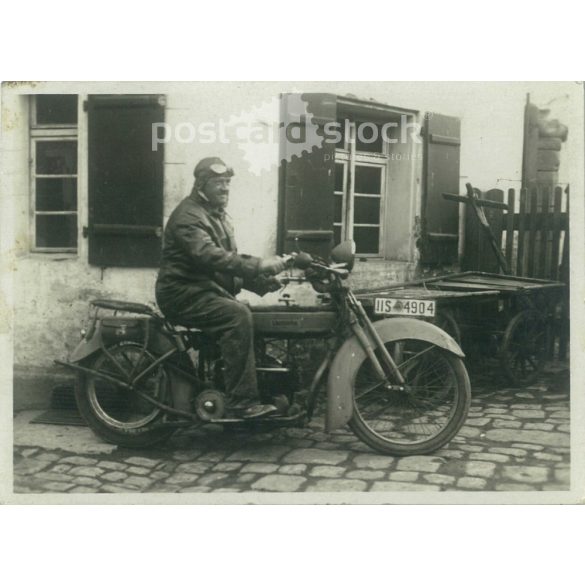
533, 235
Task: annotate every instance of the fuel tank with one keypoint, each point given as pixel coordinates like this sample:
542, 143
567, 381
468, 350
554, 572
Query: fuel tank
294, 321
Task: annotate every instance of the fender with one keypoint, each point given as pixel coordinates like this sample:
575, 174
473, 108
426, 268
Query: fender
87, 346
351, 354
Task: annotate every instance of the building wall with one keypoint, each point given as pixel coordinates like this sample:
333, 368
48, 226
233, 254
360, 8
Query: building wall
50, 292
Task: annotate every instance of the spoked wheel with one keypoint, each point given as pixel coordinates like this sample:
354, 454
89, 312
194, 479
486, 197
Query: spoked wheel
420, 416
117, 414
523, 349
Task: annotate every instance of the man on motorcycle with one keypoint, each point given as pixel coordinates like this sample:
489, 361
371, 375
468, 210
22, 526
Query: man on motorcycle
200, 274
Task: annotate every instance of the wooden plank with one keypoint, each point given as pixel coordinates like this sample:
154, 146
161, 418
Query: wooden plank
521, 286
540, 221
309, 235
510, 226
410, 293
449, 284
129, 230
402, 285
520, 267
432, 294
514, 284
532, 233
480, 202
556, 233
497, 277
543, 255
442, 237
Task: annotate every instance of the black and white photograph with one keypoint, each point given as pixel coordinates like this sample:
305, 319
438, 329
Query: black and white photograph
293, 292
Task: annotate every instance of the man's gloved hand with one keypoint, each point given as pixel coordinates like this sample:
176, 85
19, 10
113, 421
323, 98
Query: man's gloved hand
272, 265
272, 284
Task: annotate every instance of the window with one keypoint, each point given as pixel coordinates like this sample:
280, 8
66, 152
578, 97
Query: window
361, 164
360, 184
54, 173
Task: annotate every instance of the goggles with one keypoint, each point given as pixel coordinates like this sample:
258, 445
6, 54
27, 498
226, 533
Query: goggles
219, 169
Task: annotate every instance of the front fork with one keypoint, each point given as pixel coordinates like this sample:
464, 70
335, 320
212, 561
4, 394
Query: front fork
366, 333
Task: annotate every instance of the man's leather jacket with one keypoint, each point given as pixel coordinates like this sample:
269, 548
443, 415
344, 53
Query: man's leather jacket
199, 254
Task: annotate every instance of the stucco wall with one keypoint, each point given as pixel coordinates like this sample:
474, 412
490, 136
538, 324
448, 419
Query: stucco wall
50, 293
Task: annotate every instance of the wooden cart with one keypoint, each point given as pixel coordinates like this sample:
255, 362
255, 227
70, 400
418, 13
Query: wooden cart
501, 316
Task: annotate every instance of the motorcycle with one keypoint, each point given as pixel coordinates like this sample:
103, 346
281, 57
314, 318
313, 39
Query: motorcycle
400, 383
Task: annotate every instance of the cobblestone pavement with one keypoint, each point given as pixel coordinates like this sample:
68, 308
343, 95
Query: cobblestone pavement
513, 440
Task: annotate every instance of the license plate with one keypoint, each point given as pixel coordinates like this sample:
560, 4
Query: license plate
411, 307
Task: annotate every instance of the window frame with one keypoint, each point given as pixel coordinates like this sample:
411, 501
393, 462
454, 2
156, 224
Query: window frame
36, 125
312, 178
50, 133
349, 156
343, 223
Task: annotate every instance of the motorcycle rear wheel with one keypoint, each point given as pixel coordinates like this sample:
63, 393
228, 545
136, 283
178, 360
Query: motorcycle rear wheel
422, 417
116, 414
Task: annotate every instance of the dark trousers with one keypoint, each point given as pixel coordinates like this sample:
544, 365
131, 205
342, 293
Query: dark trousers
231, 323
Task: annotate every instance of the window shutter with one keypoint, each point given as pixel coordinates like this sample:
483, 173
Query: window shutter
440, 220
307, 181
125, 181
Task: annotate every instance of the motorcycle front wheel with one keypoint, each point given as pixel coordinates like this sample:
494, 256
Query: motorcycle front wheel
419, 416
119, 415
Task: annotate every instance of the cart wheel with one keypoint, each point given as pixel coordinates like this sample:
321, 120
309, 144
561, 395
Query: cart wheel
447, 323
523, 349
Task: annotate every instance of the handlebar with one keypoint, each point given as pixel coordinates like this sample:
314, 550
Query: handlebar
303, 261
300, 260
341, 272
288, 279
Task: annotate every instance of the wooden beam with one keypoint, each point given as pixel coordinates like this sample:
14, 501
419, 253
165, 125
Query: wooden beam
510, 227
556, 233
479, 202
520, 269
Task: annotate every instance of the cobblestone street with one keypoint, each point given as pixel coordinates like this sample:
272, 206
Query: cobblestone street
513, 440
